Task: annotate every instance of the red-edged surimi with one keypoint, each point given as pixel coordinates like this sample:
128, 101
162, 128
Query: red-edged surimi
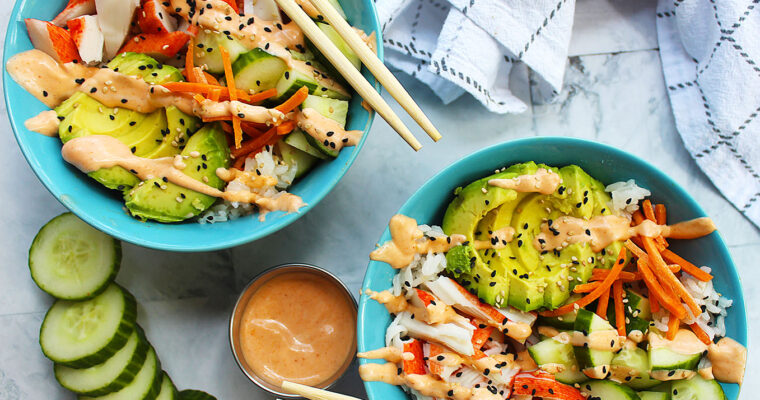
455, 336
115, 19
88, 38
414, 365
154, 17
481, 334
157, 45
264, 9
75, 8
53, 40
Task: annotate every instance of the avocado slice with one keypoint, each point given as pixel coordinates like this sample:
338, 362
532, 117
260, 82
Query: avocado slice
180, 127
162, 201
146, 67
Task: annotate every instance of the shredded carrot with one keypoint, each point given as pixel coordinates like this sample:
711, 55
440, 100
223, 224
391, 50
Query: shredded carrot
189, 68
227, 128
254, 144
660, 214
199, 98
664, 274
673, 324
230, 78
239, 162
210, 79
203, 88
657, 292
215, 119
586, 287
617, 295
200, 77
688, 267
586, 300
598, 274
604, 301
215, 94
637, 217
294, 101
654, 304
286, 127
701, 335
648, 210
263, 95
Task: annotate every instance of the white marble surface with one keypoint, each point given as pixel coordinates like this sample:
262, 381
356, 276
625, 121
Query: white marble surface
614, 94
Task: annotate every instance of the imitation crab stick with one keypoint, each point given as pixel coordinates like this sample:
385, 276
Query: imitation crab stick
537, 384
415, 365
617, 294
481, 334
586, 300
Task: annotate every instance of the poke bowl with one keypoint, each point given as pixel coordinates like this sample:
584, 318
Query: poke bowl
431, 205
105, 209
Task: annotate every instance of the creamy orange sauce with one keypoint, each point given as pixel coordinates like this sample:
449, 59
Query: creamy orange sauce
543, 181
91, 153
728, 359
45, 123
685, 342
605, 340
44, 78
603, 230
325, 130
440, 313
298, 327
246, 112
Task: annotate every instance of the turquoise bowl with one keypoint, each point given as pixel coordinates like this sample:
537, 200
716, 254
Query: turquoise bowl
104, 209
605, 163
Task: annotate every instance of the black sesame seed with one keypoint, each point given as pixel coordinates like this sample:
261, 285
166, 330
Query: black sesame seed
124, 101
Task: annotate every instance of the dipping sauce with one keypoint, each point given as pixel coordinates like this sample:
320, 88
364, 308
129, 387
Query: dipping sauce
298, 326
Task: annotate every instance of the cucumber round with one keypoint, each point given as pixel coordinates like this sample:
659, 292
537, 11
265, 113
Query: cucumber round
630, 367
83, 334
654, 396
550, 351
168, 390
607, 390
71, 260
190, 394
258, 70
110, 376
697, 388
145, 386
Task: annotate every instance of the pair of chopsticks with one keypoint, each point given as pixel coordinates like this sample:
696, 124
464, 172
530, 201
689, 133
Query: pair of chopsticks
353, 76
314, 393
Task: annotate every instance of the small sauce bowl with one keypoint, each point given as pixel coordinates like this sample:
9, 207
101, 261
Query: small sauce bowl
256, 293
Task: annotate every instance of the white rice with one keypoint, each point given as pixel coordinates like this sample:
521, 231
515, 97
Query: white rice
626, 196
267, 163
394, 333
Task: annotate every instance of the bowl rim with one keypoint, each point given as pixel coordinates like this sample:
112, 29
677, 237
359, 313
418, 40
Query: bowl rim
11, 33
613, 152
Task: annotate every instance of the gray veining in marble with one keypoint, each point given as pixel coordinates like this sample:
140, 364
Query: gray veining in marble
614, 93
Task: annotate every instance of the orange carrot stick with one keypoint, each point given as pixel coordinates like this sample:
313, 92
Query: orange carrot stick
654, 304
660, 214
664, 274
673, 324
617, 295
189, 68
586, 287
286, 127
701, 335
294, 101
239, 162
648, 210
656, 291
230, 78
637, 217
598, 274
692, 269
586, 300
604, 301
254, 144
263, 95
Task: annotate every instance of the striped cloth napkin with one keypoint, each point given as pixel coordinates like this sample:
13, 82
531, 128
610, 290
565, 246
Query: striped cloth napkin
478, 46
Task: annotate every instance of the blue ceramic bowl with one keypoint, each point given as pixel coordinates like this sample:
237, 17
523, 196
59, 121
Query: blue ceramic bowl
104, 209
605, 163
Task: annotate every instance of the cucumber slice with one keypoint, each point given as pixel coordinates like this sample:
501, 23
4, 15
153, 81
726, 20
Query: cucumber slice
207, 50
630, 367
697, 388
336, 110
145, 386
607, 390
86, 333
665, 359
292, 156
168, 390
257, 70
324, 147
594, 363
113, 375
298, 140
341, 44
190, 394
550, 351
71, 260
654, 396
303, 73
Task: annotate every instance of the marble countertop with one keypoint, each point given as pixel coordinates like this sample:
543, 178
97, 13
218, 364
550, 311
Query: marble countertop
614, 93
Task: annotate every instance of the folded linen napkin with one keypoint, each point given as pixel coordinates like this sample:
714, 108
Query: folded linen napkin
710, 55
471, 46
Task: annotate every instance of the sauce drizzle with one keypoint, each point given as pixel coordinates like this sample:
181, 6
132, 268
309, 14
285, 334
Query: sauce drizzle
543, 181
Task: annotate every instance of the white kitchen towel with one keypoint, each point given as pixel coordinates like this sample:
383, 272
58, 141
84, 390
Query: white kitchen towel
471, 46
710, 53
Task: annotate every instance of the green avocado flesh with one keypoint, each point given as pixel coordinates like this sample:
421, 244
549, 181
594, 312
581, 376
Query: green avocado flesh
519, 275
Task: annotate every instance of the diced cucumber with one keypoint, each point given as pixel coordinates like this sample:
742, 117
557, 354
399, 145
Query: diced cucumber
336, 110
550, 351
298, 140
86, 333
304, 74
304, 55
654, 396
637, 306
71, 260
566, 321
257, 70
607, 390
145, 386
341, 44
292, 156
112, 375
663, 358
190, 394
630, 367
207, 52
324, 147
697, 388
594, 363
168, 390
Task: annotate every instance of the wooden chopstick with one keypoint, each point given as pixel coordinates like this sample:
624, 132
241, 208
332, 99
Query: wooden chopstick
347, 70
378, 69
314, 393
